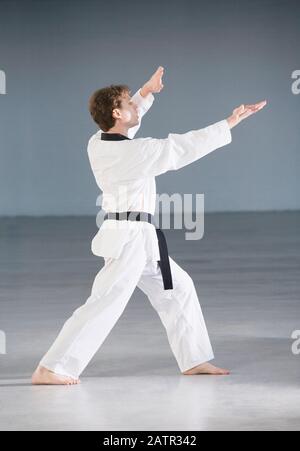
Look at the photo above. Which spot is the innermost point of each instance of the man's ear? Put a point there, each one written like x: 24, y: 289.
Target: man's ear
x: 116, y: 113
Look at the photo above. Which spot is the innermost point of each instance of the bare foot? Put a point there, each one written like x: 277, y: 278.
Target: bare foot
x: 43, y: 376
x: 206, y: 368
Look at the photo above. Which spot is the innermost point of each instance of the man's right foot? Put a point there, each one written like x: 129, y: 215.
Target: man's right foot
x: 43, y: 376
x: 207, y: 368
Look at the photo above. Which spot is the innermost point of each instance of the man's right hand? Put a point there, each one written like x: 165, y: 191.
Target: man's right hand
x: 243, y: 111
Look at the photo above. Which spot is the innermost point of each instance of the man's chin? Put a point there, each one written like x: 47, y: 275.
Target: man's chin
x: 136, y: 122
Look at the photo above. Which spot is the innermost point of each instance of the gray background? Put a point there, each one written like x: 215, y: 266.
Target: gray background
x: 246, y: 267
x: 216, y: 55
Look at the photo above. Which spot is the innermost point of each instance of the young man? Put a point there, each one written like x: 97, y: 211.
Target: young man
x: 134, y: 250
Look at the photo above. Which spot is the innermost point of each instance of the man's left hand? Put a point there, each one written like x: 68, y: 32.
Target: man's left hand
x: 154, y: 84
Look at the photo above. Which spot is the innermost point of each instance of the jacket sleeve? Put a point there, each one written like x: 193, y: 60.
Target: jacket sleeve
x: 143, y: 104
x: 148, y: 157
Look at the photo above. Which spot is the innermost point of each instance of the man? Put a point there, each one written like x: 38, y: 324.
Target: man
x: 135, y: 251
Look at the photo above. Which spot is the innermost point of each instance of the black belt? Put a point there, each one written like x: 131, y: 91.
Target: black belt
x: 164, y: 262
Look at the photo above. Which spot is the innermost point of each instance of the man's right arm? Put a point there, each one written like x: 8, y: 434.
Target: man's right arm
x: 153, y: 157
x: 149, y: 157
x: 179, y: 150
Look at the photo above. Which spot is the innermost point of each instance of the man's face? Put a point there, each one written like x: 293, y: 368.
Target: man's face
x: 128, y: 113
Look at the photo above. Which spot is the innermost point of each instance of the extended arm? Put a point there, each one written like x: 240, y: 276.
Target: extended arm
x: 148, y: 157
x: 144, y: 98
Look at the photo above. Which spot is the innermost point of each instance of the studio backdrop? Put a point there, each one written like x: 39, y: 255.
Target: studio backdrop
x: 216, y: 55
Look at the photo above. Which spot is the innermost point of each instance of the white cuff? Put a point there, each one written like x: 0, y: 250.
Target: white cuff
x: 226, y: 131
x: 144, y: 102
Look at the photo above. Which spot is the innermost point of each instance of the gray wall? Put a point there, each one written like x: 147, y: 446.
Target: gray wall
x: 217, y: 54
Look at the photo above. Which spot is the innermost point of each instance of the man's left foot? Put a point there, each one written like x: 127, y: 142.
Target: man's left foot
x: 43, y: 376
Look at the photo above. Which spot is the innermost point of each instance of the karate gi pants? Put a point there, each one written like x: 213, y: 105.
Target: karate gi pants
x: 179, y: 310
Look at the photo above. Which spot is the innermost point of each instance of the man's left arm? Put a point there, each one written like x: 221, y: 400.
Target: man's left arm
x: 144, y: 98
x: 143, y: 103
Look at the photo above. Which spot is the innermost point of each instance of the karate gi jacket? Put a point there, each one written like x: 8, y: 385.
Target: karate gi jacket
x: 125, y: 172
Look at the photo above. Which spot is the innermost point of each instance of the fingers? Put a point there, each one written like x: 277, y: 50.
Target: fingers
x: 244, y: 111
x: 257, y: 106
x: 246, y: 114
x: 239, y: 110
x: 159, y: 72
x: 253, y: 105
x: 262, y: 104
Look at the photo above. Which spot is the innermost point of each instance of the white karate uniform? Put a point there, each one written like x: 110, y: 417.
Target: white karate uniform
x: 125, y: 171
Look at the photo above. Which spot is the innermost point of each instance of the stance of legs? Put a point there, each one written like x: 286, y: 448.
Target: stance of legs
x: 85, y: 331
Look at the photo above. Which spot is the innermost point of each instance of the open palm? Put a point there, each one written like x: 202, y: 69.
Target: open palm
x: 243, y: 111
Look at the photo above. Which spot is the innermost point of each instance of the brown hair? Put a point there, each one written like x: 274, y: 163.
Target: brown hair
x: 103, y: 102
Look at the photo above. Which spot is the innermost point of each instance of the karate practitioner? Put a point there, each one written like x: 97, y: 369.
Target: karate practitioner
x: 134, y: 249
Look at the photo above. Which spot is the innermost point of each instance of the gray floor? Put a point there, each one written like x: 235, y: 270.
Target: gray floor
x: 246, y: 271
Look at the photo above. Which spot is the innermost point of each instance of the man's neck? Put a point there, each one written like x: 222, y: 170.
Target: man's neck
x: 121, y: 130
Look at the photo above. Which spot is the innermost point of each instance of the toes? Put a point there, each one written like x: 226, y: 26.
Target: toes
x: 224, y: 372
x: 71, y: 381
x: 75, y: 381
